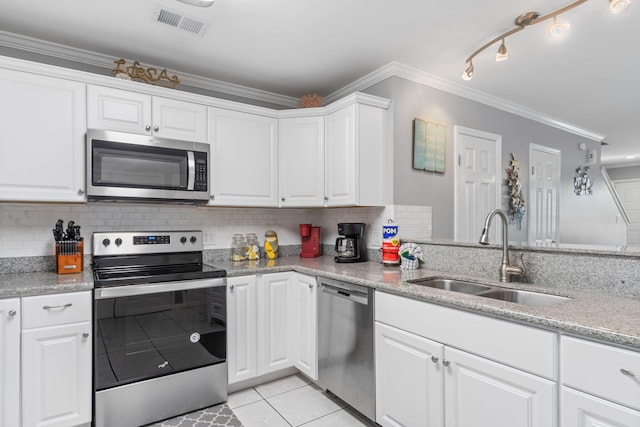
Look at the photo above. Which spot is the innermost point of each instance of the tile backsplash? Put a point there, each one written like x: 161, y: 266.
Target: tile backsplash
x: 25, y: 229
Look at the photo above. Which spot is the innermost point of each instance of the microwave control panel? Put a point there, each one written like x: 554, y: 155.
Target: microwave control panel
x: 202, y: 174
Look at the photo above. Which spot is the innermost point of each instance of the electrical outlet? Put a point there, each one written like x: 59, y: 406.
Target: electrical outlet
x: 210, y: 239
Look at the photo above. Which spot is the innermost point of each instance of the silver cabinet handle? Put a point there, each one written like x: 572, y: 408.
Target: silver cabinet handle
x: 446, y: 362
x: 435, y: 359
x: 326, y: 199
x: 282, y: 199
x: 156, y: 128
x: 12, y: 313
x: 56, y: 307
x: 80, y: 191
x: 627, y: 372
x: 212, y: 197
x: 231, y: 287
x: 147, y: 128
x: 85, y: 335
x: 310, y: 285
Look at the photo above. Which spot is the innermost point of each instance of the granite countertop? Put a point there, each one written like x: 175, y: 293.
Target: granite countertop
x: 594, y: 315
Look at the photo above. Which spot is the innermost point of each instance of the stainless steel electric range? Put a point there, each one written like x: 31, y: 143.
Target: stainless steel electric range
x: 160, y: 327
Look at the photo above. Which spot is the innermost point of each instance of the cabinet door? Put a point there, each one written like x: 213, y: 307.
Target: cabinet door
x: 241, y: 328
x: 179, y: 120
x: 9, y: 362
x: 340, y: 158
x: 479, y: 392
x: 42, y: 123
x: 244, y: 159
x: 274, y: 347
x: 304, y: 324
x: 56, y: 375
x: 301, y: 163
x: 118, y: 110
x: 584, y: 410
x: 409, y: 384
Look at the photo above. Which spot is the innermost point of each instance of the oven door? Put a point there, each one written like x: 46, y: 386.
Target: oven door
x: 149, y: 331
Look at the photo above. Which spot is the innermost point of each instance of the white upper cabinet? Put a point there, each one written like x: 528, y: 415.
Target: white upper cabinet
x: 244, y: 158
x: 134, y: 112
x: 354, y: 155
x: 42, y: 126
x: 301, y: 170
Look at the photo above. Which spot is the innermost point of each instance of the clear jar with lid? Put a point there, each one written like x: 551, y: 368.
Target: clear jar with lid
x: 253, y: 247
x: 238, y: 248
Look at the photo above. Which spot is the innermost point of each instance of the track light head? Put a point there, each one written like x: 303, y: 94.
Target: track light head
x: 468, y: 72
x: 618, y: 6
x: 558, y: 29
x: 503, y: 53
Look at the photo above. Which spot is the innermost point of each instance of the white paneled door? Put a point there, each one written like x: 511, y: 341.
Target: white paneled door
x: 544, y: 190
x: 477, y: 179
x: 629, y: 192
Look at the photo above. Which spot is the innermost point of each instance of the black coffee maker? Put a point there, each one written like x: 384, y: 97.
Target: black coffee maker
x: 352, y: 247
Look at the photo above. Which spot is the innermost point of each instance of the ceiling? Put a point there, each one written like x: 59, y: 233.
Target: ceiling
x: 589, y: 79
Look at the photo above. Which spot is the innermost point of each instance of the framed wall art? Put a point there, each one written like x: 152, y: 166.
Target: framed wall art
x: 429, y: 145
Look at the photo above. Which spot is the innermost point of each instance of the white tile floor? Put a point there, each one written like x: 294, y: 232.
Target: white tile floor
x: 291, y: 401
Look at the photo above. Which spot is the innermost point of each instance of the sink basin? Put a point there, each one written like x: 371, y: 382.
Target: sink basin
x: 494, y: 292
x: 452, y: 285
x: 524, y: 297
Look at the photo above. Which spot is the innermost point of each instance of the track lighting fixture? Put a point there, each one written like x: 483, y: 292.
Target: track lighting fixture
x: 556, y: 29
x: 503, y: 53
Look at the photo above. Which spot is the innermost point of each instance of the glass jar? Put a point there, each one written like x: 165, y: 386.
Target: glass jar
x: 271, y: 244
x: 253, y: 247
x: 238, y: 248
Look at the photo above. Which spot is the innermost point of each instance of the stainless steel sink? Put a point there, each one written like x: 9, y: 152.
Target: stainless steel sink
x: 524, y: 297
x: 452, y: 285
x: 494, y: 292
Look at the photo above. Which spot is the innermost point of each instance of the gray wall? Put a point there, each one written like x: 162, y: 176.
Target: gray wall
x: 412, y: 187
x: 630, y: 172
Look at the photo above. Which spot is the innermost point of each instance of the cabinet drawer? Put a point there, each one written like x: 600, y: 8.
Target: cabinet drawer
x: 56, y: 309
x: 601, y: 370
x: 530, y: 349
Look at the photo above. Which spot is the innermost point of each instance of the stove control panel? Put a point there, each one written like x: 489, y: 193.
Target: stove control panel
x: 146, y: 242
x: 153, y: 240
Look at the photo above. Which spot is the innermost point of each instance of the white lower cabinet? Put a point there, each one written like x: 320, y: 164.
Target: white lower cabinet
x: 9, y: 362
x: 432, y: 370
x: 265, y: 332
x: 274, y: 346
x: 480, y: 392
x: 584, y: 410
x: 56, y: 364
x: 303, y: 306
x: 409, y: 384
x: 600, y: 384
x: 242, y: 347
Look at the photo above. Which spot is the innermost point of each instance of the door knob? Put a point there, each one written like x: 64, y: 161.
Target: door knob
x: 156, y: 128
x: 435, y: 359
x: 446, y: 362
x: 12, y: 313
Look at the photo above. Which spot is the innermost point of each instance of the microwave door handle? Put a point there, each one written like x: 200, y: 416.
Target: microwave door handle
x: 191, y: 166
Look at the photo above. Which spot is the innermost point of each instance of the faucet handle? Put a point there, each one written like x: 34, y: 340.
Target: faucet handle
x: 518, y: 270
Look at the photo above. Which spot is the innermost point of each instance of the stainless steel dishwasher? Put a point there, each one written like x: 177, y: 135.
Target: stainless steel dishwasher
x: 345, y: 344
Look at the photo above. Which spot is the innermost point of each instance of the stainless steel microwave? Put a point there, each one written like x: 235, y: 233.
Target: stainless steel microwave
x: 130, y: 167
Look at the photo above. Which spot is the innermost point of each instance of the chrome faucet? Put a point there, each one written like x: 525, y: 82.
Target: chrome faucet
x: 506, y: 269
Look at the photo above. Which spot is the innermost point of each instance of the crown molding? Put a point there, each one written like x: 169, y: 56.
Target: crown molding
x: 396, y: 69
x: 55, y: 50
x: 392, y: 69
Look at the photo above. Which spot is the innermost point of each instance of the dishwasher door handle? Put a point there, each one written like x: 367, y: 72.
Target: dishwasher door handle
x: 349, y: 294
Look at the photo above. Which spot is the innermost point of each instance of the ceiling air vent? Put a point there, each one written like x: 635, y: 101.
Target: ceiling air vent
x: 180, y: 21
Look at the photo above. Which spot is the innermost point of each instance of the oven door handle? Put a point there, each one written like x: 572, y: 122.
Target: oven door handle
x: 155, y: 288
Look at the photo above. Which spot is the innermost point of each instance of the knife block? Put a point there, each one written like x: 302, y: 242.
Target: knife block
x: 70, y: 257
